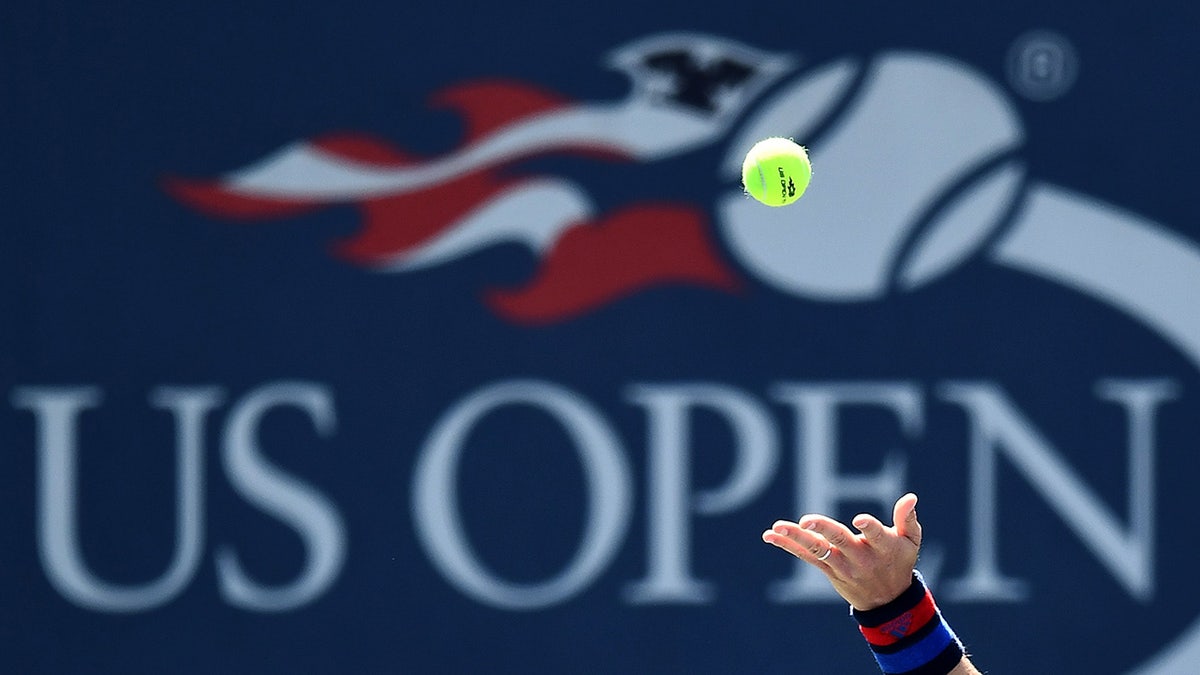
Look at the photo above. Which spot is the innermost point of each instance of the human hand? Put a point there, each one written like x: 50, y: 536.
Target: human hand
x: 869, y: 569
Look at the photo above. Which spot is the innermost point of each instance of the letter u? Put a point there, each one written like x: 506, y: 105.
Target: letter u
x: 57, y: 413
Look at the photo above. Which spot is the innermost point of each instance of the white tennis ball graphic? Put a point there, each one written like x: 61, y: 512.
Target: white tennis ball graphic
x: 916, y: 168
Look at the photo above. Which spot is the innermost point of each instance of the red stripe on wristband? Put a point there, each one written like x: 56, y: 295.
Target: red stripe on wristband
x: 902, y: 626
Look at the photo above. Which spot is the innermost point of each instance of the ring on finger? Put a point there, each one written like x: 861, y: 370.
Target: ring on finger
x: 825, y: 555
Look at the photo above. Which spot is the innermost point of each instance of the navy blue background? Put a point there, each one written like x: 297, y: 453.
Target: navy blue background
x: 105, y: 280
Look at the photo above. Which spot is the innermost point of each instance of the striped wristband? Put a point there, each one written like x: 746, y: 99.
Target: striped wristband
x: 909, y: 636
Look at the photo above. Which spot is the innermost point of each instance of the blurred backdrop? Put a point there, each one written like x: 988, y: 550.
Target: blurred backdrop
x: 403, y: 337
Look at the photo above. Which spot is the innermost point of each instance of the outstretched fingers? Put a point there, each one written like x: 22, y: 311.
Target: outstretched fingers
x: 872, y: 530
x: 834, y: 532
x: 802, y: 543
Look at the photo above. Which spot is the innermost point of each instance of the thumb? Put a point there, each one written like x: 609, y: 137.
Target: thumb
x: 905, y: 517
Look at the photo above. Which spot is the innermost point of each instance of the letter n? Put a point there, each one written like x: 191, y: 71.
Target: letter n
x: 998, y: 428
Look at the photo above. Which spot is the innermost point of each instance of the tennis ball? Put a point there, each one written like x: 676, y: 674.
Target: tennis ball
x: 776, y: 171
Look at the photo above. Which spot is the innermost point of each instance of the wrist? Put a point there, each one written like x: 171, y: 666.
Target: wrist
x: 905, y: 595
x: 909, y: 635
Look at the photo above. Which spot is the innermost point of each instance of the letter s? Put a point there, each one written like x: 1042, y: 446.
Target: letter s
x: 311, y: 514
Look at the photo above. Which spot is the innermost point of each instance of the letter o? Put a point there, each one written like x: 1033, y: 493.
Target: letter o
x: 435, y: 495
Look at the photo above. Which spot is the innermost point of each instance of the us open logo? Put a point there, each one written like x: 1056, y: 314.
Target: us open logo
x: 906, y: 196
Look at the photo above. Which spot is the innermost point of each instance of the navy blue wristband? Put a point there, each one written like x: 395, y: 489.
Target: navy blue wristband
x: 909, y: 636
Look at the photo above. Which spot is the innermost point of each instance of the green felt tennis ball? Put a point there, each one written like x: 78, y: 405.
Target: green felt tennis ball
x: 776, y: 171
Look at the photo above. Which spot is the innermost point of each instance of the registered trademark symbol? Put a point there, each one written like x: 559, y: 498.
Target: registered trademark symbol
x: 1042, y: 65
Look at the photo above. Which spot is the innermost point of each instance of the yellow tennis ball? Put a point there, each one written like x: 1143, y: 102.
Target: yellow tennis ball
x: 776, y: 171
